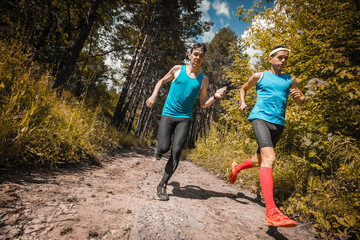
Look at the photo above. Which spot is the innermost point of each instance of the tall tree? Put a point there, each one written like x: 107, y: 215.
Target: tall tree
x: 61, y: 34
x: 73, y: 52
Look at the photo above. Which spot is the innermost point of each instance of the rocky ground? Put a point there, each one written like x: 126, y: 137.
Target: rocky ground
x: 117, y: 200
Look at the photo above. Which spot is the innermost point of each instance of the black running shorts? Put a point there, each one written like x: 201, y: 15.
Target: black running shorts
x: 266, y: 134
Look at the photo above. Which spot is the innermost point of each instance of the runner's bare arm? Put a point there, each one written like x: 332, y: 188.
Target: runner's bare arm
x: 254, y: 79
x: 167, y: 78
x: 205, y: 100
x: 296, y: 93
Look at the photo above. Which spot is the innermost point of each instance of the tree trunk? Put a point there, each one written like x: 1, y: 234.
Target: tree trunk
x: 137, y: 84
x: 67, y: 67
x: 144, y: 116
x: 146, y: 124
x: 119, y: 113
x: 138, y: 51
x: 141, y: 120
x: 124, y: 90
x: 140, y: 96
x: 133, y: 113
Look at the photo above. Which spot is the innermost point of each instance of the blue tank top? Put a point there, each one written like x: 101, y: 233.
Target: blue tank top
x: 272, y: 92
x: 182, y: 95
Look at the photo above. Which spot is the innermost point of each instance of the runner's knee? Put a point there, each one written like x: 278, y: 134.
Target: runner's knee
x: 267, y: 157
x: 162, y: 147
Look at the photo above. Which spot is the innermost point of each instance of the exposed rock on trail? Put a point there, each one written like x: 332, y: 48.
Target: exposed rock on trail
x: 118, y: 201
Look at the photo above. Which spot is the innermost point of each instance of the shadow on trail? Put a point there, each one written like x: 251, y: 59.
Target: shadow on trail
x: 254, y: 200
x: 196, y: 192
x: 273, y: 232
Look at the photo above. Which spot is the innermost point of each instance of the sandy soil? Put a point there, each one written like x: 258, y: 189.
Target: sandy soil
x: 118, y: 201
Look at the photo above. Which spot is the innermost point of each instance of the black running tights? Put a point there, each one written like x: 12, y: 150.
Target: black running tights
x: 177, y: 128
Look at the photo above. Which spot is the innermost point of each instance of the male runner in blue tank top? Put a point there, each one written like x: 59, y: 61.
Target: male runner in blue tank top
x: 268, y: 121
x: 187, y: 83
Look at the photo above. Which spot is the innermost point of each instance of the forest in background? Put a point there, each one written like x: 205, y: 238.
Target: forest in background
x: 61, y: 103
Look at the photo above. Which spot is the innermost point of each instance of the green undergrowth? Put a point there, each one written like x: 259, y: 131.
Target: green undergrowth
x: 316, y: 177
x: 219, y: 149
x: 39, y: 128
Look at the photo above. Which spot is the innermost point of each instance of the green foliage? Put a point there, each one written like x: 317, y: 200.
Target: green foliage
x: 220, y: 148
x: 49, y: 29
x: 36, y: 127
x: 237, y: 74
x: 320, y: 170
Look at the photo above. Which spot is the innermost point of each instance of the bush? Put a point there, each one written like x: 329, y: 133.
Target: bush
x: 39, y: 128
x: 220, y: 148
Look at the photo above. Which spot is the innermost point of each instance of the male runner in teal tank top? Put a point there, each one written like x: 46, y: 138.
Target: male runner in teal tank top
x: 187, y: 83
x: 268, y: 121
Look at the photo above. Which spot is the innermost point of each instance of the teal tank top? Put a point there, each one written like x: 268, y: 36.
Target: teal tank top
x: 182, y: 95
x: 272, y: 92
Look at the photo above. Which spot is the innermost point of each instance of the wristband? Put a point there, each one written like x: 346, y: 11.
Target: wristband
x: 214, y: 97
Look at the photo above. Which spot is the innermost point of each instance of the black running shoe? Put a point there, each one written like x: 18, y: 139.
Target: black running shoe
x: 161, y: 192
x: 158, y: 155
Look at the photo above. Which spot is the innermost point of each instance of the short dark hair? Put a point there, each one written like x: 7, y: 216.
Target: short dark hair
x: 198, y: 45
x: 277, y: 46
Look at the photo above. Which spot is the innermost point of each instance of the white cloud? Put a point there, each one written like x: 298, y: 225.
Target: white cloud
x: 208, y: 36
x: 221, y: 8
x: 205, y: 7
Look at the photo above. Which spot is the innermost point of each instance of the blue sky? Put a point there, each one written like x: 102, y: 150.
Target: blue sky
x: 222, y: 14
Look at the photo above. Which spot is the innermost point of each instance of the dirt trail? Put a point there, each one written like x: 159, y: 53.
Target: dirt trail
x: 118, y: 201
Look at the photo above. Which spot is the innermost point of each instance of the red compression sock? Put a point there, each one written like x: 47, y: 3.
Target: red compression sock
x: 245, y: 165
x: 266, y: 182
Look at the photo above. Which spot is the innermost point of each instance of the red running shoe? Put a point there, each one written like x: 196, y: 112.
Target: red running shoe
x: 276, y: 218
x: 233, y: 174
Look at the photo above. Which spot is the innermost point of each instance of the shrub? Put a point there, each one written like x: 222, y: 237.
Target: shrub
x: 39, y: 128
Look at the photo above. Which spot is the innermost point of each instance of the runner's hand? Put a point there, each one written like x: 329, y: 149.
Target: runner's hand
x: 150, y: 101
x: 221, y: 92
x: 242, y: 107
x: 295, y: 92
